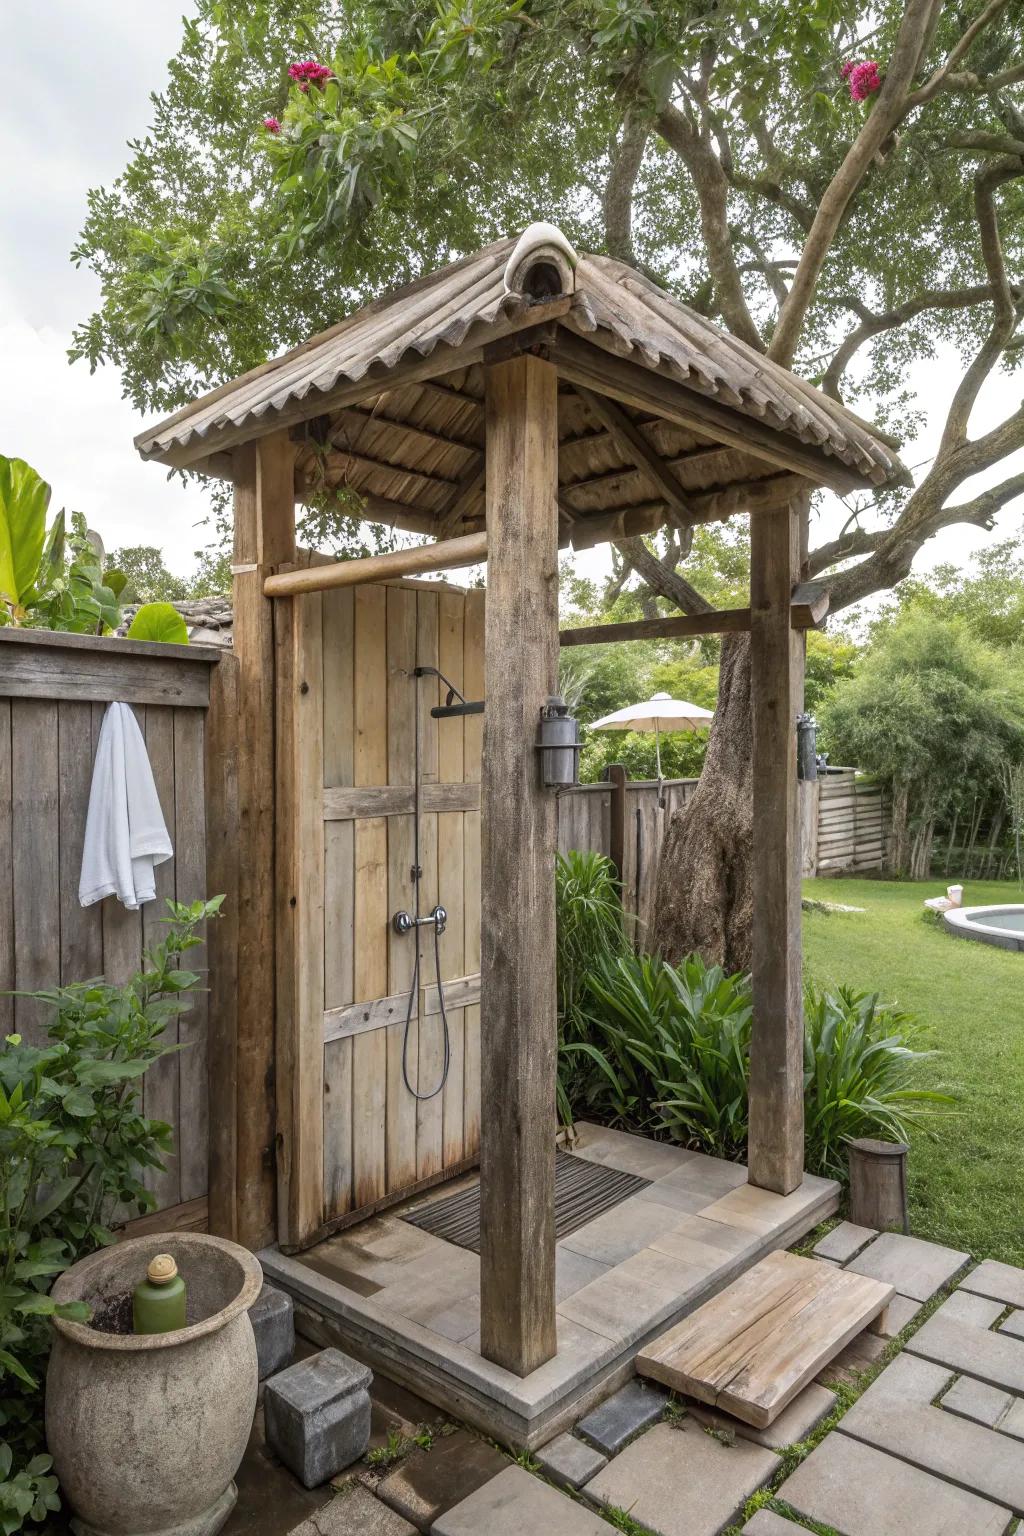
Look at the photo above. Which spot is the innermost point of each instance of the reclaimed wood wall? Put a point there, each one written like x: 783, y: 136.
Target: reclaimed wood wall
x: 853, y: 823
x: 378, y: 1140
x: 54, y: 690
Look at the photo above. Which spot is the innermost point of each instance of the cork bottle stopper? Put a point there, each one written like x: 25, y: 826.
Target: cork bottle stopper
x: 161, y: 1269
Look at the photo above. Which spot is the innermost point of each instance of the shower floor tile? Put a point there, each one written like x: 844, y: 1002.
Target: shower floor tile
x: 408, y: 1302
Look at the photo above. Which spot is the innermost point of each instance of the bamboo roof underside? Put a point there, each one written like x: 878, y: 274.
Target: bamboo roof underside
x: 662, y: 417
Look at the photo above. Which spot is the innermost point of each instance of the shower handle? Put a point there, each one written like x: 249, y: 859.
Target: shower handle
x: 404, y: 922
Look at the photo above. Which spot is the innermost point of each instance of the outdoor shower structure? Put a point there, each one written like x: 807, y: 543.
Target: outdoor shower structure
x: 519, y: 400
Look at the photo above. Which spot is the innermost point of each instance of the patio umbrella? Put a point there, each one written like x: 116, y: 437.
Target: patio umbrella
x: 657, y: 714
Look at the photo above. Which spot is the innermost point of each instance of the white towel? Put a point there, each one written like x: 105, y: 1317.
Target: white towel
x: 125, y: 834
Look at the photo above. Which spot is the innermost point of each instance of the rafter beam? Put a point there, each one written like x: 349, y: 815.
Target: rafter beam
x: 632, y: 444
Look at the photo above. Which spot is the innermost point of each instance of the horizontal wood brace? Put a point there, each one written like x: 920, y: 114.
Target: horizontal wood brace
x: 348, y: 803
x: 381, y: 1012
x: 50, y: 672
x: 804, y: 614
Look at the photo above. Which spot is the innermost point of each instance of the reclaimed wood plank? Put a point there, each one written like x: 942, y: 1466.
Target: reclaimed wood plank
x: 35, y: 858
x: 475, y: 688
x: 161, y: 1096
x: 341, y: 804
x: 81, y: 928
x: 220, y: 747
x: 339, y: 979
x: 451, y: 874
x: 518, y: 1050
x: 190, y: 885
x: 339, y: 684
x: 757, y: 1344
x: 402, y: 1045
x: 7, y: 936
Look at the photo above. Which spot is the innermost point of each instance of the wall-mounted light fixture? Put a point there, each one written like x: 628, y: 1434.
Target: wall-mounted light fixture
x: 559, y: 744
x: 806, y: 747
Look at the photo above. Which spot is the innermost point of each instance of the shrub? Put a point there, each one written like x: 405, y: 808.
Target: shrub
x: 73, y: 1147
x: 589, y: 922
x: 666, y: 1050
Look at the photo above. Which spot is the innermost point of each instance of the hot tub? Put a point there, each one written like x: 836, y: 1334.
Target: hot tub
x: 1003, y: 926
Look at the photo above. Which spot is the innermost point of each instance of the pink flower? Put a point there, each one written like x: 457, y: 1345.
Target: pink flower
x: 863, y: 79
x: 847, y: 68
x: 308, y: 73
x: 272, y: 125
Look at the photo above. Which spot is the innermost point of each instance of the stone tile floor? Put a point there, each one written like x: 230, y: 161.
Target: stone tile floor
x: 620, y: 1279
x: 933, y: 1447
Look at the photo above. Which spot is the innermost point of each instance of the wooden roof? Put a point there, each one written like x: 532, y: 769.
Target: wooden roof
x: 662, y: 416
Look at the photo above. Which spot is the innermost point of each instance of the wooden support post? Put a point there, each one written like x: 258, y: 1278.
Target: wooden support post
x: 299, y: 892
x: 264, y: 538
x: 776, y: 1147
x: 617, y: 777
x: 518, y: 1006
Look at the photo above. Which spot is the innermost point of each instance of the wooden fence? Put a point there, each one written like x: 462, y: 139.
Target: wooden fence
x: 844, y: 826
x: 54, y: 690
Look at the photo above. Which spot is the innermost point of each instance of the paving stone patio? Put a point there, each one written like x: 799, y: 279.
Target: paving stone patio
x: 932, y: 1447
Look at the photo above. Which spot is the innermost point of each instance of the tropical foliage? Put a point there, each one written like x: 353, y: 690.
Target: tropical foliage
x: 664, y: 1050
x: 74, y: 1148
x: 59, y: 579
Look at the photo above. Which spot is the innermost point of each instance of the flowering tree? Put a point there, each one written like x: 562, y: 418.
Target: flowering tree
x: 838, y: 184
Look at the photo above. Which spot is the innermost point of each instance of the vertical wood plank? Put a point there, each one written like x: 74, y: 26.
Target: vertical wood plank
x: 430, y: 1055
x: 339, y: 900
x: 81, y: 929
x: 776, y: 1149
x: 473, y: 673
x: 339, y: 894
x: 35, y: 857
x: 300, y: 918
x: 369, y: 1050
x: 6, y: 874
x: 402, y: 693
x: 122, y: 929
x: 161, y: 1099
x: 518, y: 1014
x: 264, y: 538
x: 451, y: 871
x: 190, y: 885
x: 220, y: 745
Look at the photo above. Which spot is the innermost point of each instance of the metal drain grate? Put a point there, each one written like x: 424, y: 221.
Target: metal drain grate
x: 583, y: 1190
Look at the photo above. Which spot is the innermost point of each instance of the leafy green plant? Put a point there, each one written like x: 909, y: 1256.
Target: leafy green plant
x: 24, y: 498
x: 860, y: 1074
x: 159, y: 621
x: 590, y: 921
x: 74, y: 593
x: 666, y: 1050
x: 73, y: 1148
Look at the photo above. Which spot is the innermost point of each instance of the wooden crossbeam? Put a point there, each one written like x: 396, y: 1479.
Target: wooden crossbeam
x: 446, y: 556
x: 806, y: 612
x: 632, y: 444
x: 465, y: 496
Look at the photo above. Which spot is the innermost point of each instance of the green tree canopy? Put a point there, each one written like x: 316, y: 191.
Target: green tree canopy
x: 846, y: 228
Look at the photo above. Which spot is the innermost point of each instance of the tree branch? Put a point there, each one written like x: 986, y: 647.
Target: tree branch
x: 627, y: 159
x: 963, y: 46
x: 891, y: 319
x: 889, y: 108
x: 661, y: 579
x: 712, y: 188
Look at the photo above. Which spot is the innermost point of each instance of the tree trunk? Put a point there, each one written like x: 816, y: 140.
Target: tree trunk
x: 703, y: 899
x: 899, y: 847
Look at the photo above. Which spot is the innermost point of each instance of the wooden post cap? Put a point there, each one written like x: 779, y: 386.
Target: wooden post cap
x: 161, y: 1269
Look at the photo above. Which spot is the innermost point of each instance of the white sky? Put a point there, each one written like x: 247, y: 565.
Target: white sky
x: 62, y: 138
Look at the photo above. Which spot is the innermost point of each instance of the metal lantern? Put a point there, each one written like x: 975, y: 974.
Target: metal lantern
x: 559, y: 744
x: 806, y: 747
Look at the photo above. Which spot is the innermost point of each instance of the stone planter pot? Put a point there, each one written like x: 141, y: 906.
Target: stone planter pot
x: 147, y: 1431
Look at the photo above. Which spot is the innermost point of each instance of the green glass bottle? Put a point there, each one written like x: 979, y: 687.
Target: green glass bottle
x: 158, y: 1302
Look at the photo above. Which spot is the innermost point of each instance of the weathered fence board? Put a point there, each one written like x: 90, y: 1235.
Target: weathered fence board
x: 54, y: 690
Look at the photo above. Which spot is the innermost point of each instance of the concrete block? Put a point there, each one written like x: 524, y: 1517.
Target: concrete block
x: 614, y: 1422
x: 681, y: 1481
x: 794, y: 1423
x: 318, y: 1415
x: 517, y: 1504
x: 977, y: 1400
x: 767, y: 1523
x: 844, y: 1242
x: 900, y: 1311
x: 273, y: 1323
x: 1000, y: 1281
x: 428, y: 1483
x: 569, y: 1461
x: 916, y: 1268
x: 354, y: 1513
x: 853, y: 1488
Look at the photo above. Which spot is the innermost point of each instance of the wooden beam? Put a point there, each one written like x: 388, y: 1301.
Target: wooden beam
x: 519, y: 834
x: 299, y: 887
x: 804, y: 614
x: 467, y: 494
x: 446, y: 555
x: 632, y: 444
x: 597, y: 367
x: 776, y: 1146
x: 264, y: 538
x: 746, y: 496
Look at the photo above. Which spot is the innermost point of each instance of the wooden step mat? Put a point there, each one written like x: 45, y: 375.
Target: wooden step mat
x: 750, y: 1349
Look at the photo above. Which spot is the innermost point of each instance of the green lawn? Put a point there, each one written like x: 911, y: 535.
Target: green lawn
x: 967, y: 1180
